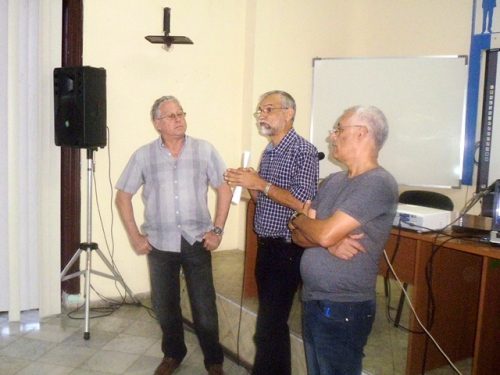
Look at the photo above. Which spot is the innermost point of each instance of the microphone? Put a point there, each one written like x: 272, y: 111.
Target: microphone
x: 321, y: 155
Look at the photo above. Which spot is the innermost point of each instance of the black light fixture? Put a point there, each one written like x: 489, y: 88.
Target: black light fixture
x: 166, y: 39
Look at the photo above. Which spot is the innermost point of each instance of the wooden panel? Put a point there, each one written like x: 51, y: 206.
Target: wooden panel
x: 72, y: 49
x: 249, y: 284
x: 487, y: 349
x: 455, y: 289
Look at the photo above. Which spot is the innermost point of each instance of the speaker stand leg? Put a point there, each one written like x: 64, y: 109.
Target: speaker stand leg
x: 72, y: 261
x: 88, y: 268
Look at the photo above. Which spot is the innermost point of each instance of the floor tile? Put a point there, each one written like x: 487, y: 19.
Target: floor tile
x: 144, y: 328
x: 80, y: 371
x: 44, y: 369
x: 11, y: 365
x: 51, y: 332
x: 97, y: 339
x: 27, y: 348
x: 110, y: 361
x: 67, y: 355
x: 130, y: 344
x: 144, y: 365
x: 155, y: 350
x: 112, y: 324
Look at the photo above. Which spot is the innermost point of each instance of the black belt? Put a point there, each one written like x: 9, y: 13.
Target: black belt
x: 274, y: 239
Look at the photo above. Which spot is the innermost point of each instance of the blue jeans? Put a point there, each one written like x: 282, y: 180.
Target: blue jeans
x: 335, y: 334
x: 277, y: 274
x: 164, y: 269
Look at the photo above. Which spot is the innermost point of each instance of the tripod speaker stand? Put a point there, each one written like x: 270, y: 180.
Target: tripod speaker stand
x: 89, y: 247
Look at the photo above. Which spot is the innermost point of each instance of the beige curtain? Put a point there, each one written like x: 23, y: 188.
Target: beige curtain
x: 30, y: 48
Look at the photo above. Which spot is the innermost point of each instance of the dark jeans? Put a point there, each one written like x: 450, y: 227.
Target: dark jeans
x: 277, y: 273
x: 164, y: 268
x: 335, y: 334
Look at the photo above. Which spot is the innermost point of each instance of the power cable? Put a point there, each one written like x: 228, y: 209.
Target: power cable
x: 417, y: 317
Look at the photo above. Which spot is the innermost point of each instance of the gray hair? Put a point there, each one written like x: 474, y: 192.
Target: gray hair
x: 155, y: 109
x: 287, y: 100
x: 375, y: 119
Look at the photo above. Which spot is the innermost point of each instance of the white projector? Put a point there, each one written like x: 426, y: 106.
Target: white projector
x: 421, y: 219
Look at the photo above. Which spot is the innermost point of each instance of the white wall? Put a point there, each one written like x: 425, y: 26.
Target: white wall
x: 241, y: 49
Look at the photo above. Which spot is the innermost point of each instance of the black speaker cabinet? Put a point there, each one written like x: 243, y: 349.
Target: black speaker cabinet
x: 80, y: 106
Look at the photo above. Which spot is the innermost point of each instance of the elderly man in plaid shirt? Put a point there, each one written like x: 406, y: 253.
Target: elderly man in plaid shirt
x: 287, y: 177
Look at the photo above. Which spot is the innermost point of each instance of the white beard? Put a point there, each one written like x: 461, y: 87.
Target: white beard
x: 264, y: 130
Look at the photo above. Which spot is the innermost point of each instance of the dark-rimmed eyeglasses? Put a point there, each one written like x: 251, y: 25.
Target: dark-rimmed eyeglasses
x: 266, y: 111
x: 338, y: 129
x: 173, y: 116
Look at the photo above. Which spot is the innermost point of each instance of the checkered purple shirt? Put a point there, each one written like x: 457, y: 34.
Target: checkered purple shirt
x: 291, y: 165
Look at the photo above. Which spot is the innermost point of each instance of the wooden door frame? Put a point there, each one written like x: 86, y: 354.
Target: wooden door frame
x: 72, y: 51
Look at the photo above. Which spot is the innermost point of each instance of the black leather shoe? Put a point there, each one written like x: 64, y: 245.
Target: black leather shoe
x: 167, y: 366
x: 215, y: 370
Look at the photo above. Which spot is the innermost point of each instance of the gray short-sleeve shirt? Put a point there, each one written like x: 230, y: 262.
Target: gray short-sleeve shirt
x: 371, y: 199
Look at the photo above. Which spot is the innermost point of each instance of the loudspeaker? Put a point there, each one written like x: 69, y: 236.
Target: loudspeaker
x: 80, y: 106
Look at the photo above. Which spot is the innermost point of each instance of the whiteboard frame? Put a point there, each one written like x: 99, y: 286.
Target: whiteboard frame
x: 494, y: 144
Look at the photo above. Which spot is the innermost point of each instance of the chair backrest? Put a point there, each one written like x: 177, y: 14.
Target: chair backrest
x: 426, y: 199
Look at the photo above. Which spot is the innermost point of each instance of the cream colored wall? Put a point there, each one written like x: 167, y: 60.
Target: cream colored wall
x: 241, y: 49
x: 206, y: 77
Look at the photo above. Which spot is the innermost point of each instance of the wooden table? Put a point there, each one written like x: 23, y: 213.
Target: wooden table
x: 466, y: 290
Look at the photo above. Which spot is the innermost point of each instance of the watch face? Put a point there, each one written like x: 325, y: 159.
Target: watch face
x: 217, y: 231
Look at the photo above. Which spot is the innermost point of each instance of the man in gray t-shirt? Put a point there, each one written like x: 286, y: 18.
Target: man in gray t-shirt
x: 339, y: 282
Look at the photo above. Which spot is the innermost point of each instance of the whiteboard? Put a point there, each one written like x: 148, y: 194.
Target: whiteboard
x: 423, y: 99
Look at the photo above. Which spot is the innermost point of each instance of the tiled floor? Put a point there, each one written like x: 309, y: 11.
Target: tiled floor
x: 128, y: 341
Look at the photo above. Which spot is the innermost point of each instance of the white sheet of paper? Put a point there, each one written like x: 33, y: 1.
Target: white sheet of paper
x: 237, y: 189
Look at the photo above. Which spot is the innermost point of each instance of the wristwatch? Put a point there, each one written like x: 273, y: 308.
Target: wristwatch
x: 218, y: 231
x: 295, y: 215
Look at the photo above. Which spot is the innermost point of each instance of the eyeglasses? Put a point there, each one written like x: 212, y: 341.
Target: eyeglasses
x: 266, y: 111
x: 173, y: 116
x: 337, y: 130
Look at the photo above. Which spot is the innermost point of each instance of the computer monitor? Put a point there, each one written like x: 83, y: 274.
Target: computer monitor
x: 496, y: 208
x: 495, y: 224
x: 488, y: 200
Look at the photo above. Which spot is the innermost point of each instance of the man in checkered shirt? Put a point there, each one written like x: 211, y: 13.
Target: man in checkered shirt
x: 287, y: 177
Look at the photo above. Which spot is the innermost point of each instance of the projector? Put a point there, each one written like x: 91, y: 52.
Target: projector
x: 421, y: 219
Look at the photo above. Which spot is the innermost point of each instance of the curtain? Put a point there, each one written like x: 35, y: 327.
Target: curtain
x: 30, y: 48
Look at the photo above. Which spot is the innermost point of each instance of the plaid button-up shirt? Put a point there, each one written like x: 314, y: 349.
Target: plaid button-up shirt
x: 293, y: 166
x: 174, y: 190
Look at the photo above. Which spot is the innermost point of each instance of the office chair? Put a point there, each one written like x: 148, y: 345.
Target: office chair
x: 426, y: 199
